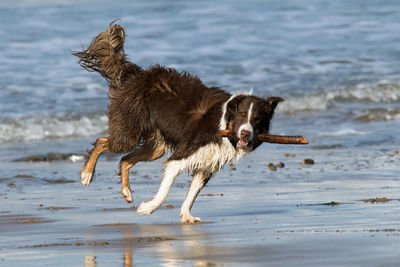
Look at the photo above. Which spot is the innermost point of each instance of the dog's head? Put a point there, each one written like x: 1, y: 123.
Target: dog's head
x: 247, y: 116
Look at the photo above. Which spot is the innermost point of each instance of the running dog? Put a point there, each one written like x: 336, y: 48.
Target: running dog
x: 158, y: 109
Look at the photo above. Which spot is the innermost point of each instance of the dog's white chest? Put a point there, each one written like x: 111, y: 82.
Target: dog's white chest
x: 211, y: 158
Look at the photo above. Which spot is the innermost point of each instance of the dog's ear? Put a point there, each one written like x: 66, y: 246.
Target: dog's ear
x: 232, y: 105
x: 273, y: 101
x: 232, y: 108
x: 231, y: 111
x: 269, y: 106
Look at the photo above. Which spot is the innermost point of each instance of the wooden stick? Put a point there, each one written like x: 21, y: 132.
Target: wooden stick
x: 276, y: 139
x: 283, y: 139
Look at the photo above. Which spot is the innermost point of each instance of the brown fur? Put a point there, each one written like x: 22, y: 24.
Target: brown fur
x: 100, y: 146
x: 144, y: 100
x: 106, y: 55
x: 175, y: 105
x: 158, y: 109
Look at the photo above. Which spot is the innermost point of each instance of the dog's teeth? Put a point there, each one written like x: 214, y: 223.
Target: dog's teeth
x: 86, y: 178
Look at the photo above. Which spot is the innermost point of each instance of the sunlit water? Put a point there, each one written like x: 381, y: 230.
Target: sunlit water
x: 335, y: 62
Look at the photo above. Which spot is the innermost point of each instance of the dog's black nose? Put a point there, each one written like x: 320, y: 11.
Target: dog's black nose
x: 245, y: 135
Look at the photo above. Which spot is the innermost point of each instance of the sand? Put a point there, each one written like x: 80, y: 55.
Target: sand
x: 341, y: 210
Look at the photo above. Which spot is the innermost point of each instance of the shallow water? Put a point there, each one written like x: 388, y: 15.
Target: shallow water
x: 335, y: 62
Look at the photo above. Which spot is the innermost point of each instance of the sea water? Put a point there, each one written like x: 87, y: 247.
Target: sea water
x: 335, y: 62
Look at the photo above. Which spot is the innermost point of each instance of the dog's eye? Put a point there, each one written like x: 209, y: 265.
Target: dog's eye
x: 257, y: 120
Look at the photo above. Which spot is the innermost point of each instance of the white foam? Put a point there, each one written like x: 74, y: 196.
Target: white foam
x: 42, y: 128
x: 342, y: 132
x: 382, y: 92
x: 311, y: 102
x: 379, y: 114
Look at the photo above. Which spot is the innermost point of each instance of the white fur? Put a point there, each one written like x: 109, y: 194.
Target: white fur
x: 195, y: 187
x: 250, y: 112
x: 211, y: 158
x: 207, y: 159
x: 86, y: 178
x: 172, y: 169
x: 222, y: 124
x: 127, y: 194
x: 247, y: 126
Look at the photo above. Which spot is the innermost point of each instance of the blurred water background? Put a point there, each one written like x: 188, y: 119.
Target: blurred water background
x: 335, y: 62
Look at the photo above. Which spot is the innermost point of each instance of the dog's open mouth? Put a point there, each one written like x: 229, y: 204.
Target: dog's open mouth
x: 242, y: 143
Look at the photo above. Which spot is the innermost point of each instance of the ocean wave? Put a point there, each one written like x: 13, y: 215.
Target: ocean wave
x: 342, y: 132
x: 379, y: 114
x: 47, y: 127
x: 381, y: 92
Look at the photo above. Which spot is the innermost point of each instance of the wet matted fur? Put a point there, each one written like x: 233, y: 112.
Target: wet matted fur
x: 159, y: 109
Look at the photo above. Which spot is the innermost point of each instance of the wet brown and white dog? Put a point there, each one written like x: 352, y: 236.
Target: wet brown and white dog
x: 158, y: 109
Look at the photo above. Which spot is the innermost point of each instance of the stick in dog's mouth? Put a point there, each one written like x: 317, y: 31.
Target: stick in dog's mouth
x: 276, y: 139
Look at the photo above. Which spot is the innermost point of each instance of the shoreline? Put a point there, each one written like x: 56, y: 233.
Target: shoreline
x: 322, y: 214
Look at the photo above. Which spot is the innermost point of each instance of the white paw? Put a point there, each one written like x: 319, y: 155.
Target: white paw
x: 127, y: 194
x: 86, y: 178
x: 146, y: 208
x: 188, y: 218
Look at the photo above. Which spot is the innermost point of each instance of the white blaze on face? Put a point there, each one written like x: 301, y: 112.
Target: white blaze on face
x: 246, y: 126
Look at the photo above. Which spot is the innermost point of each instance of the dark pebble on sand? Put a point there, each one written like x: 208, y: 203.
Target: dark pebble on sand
x: 280, y: 165
x: 307, y: 162
x: 271, y: 166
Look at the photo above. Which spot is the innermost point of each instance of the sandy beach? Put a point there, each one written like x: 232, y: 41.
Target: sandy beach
x: 324, y: 214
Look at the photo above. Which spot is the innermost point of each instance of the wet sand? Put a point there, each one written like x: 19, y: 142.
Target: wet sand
x: 341, y: 210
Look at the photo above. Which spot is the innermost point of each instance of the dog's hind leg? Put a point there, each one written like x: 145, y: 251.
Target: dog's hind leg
x: 172, y: 169
x: 100, y: 146
x: 199, y: 180
x: 148, y: 152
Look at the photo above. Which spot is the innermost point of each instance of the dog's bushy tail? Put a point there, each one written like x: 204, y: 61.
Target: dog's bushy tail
x: 106, y: 55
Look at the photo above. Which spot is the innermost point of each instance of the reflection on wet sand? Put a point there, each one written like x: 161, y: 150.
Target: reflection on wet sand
x: 90, y: 261
x: 172, y: 244
x: 127, y: 250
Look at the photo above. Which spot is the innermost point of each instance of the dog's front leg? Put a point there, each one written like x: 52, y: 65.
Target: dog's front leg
x: 172, y: 169
x: 199, y: 181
